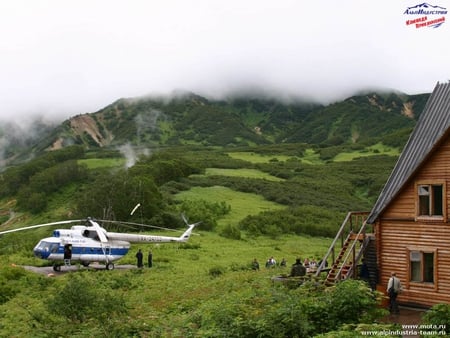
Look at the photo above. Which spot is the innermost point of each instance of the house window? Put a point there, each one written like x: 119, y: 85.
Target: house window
x: 422, y: 266
x: 431, y: 199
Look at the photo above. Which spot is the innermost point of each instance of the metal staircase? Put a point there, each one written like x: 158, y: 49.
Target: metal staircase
x: 353, y: 240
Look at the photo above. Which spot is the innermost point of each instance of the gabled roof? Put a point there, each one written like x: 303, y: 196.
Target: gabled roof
x: 430, y: 129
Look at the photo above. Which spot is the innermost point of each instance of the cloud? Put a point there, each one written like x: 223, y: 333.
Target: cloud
x: 61, y: 58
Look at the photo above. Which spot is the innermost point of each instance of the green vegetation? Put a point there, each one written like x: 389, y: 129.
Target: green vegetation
x: 286, y: 209
x: 241, y: 204
x: 194, y: 289
x: 311, y: 157
x: 264, y: 177
x: 258, y: 158
x: 378, y: 148
x: 247, y: 173
x: 94, y: 163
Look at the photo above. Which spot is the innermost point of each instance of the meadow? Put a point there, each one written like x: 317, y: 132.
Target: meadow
x: 241, y: 204
x: 159, y: 300
x: 378, y: 148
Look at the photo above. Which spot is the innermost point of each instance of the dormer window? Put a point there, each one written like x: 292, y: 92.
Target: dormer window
x: 430, y: 200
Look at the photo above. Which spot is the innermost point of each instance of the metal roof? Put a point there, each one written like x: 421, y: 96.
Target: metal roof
x: 430, y: 129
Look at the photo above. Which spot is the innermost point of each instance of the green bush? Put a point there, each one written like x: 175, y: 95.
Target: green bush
x: 230, y: 231
x: 279, y: 312
x: 439, y: 317
x: 75, y: 300
x: 216, y: 271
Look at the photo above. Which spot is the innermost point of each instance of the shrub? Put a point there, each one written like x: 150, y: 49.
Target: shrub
x: 439, y: 317
x: 216, y: 271
x: 230, y: 231
x: 74, y: 301
x: 279, y: 312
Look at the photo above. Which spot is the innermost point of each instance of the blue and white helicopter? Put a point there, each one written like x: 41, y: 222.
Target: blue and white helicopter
x: 92, y: 243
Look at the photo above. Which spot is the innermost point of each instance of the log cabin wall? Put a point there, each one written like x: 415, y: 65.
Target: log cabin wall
x: 407, y: 241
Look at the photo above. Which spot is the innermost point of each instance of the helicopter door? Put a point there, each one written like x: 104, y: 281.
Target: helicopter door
x: 67, y: 254
x: 68, y: 251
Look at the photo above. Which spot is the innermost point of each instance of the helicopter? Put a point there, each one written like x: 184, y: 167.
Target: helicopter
x: 92, y: 243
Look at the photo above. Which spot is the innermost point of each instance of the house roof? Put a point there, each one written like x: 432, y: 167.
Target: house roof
x: 430, y: 129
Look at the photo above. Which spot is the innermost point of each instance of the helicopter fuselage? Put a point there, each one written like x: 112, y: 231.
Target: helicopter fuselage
x: 80, y: 243
x: 92, y: 243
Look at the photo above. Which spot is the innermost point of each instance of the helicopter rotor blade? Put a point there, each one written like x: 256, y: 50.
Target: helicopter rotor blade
x: 135, y: 208
x: 183, y: 216
x: 41, y: 225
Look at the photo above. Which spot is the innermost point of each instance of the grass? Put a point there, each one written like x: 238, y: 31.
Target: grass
x: 258, y: 158
x: 247, y: 173
x: 311, y: 157
x: 93, y: 163
x: 377, y: 149
x: 242, y: 204
x: 180, y: 278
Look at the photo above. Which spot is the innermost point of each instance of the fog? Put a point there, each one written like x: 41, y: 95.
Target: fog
x: 62, y: 58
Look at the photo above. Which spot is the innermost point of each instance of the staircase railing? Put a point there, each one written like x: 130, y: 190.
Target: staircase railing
x: 353, y: 254
x: 354, y: 221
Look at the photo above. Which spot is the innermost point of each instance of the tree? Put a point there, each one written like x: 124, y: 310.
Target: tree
x: 114, y: 195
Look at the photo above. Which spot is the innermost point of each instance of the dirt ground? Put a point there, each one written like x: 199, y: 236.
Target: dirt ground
x: 407, y: 318
x: 48, y: 270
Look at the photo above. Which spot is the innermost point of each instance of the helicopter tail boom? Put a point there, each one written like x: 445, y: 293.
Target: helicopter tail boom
x: 136, y: 238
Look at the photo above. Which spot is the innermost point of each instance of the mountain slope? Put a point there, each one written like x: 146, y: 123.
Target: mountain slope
x: 192, y: 119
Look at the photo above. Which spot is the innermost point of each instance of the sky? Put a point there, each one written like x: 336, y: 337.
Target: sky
x: 60, y: 58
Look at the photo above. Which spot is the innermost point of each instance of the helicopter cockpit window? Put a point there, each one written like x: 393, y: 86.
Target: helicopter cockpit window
x: 48, y: 247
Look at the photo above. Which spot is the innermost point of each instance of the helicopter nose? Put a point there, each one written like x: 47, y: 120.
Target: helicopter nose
x: 37, y: 253
x: 40, y: 253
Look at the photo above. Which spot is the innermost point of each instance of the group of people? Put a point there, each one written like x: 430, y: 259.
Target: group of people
x: 297, y: 269
x: 140, y: 259
x: 270, y: 263
x: 310, y: 265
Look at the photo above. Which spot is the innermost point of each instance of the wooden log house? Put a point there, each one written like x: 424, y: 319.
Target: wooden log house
x: 408, y: 229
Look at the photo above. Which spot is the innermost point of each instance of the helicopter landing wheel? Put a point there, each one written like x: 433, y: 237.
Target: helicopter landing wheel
x: 109, y: 266
x: 56, y: 267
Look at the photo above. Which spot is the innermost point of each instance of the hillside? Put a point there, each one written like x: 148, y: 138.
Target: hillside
x: 237, y: 121
x: 242, y: 121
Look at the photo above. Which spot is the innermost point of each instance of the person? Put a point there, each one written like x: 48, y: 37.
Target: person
x: 306, y: 262
x: 139, y: 257
x: 298, y: 269
x: 394, y: 287
x: 255, y: 265
x: 67, y: 254
x: 271, y: 262
x: 150, y: 259
x: 283, y: 263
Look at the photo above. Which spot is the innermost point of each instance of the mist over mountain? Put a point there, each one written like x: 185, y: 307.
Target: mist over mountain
x: 239, y: 120
x: 17, y: 139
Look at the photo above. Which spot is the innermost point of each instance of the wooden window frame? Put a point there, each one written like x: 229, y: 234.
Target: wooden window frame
x: 432, y: 183
x: 423, y: 250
